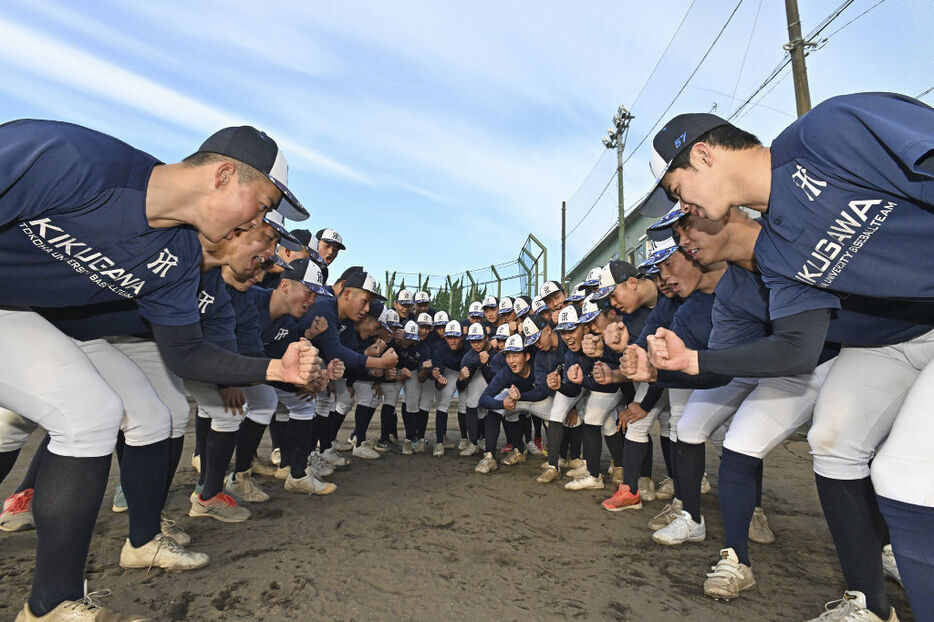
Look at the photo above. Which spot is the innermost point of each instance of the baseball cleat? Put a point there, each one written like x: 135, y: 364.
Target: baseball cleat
x: 647, y: 489
x: 588, y: 482
x: 220, y: 507
x: 243, y: 487
x: 682, y: 529
x: 366, y: 452
x: 851, y: 607
x: 470, y: 450
x: 670, y: 512
x: 729, y: 577
x: 514, y: 457
x: 17, y: 512
x: 119, y: 505
x: 623, y: 499
x: 759, y: 528
x: 310, y: 485
x: 548, y: 474
x: 487, y: 464
x: 665, y: 489
x: 615, y: 474
x: 161, y: 552
x: 170, y: 530
x: 889, y: 567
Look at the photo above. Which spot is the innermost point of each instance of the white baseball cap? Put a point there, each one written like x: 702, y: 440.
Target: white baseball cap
x: 476, y: 332
x: 589, y: 310
x: 452, y: 328
x: 332, y: 236
x: 490, y: 301
x: 389, y: 318
x: 538, y: 305
x: 514, y: 344
x: 421, y: 297
x: 593, y: 277
x: 520, y: 306
x: 502, y: 332
x: 410, y: 331
x: 404, y: 297
x: 441, y: 318
x: 549, y: 288
x: 578, y: 293
x: 567, y: 319
x: 424, y: 319
x: 475, y: 309
x: 505, y: 305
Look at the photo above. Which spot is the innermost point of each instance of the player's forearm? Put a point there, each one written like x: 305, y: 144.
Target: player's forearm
x: 189, y: 356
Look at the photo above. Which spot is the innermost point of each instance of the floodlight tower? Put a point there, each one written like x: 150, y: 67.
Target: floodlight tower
x: 616, y: 139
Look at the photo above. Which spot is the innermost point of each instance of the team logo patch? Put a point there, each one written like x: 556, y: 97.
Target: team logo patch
x: 811, y: 186
x: 204, y: 300
x: 161, y: 265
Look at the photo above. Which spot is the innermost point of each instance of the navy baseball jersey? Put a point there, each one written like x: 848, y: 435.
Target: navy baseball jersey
x: 73, y: 228
x: 218, y: 319
x: 850, y: 210
x: 249, y: 334
x: 277, y: 333
x: 660, y: 317
x: 330, y: 343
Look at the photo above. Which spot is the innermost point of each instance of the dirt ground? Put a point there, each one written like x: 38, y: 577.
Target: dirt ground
x: 423, y: 538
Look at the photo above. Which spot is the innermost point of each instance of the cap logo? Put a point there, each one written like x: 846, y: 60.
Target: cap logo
x: 680, y: 140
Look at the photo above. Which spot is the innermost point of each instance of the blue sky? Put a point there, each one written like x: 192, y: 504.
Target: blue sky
x: 434, y: 136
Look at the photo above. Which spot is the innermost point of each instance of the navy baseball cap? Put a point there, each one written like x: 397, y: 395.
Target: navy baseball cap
x: 276, y: 220
x: 308, y: 274
x: 365, y: 281
x: 375, y: 310
x: 677, y: 135
x: 257, y: 149
x: 332, y: 236
x: 346, y: 274
x: 613, y: 274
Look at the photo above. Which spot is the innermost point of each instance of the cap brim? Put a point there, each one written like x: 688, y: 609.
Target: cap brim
x: 575, y: 298
x: 340, y: 245
x: 474, y: 337
x: 289, y: 206
x: 450, y: 334
x: 657, y: 203
x: 505, y: 311
x: 279, y: 261
x: 592, y: 283
x: 513, y: 349
x: 603, y: 292
x: 318, y: 289
x: 531, y: 340
x: 286, y: 239
x: 588, y: 317
x: 659, y: 256
x: 565, y: 326
x: 522, y: 313
x: 475, y: 314
x: 406, y: 303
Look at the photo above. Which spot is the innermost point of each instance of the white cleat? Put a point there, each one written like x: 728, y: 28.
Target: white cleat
x: 759, y: 528
x: 487, y: 464
x: 171, y: 530
x: 462, y: 444
x: 682, y: 529
x: 851, y: 608
x: 421, y: 446
x: 161, y: 552
x: 704, y: 485
x: 575, y: 472
x: 470, y: 450
x: 242, y: 486
x: 548, y: 474
x: 334, y: 459
x: 665, y: 489
x: 533, y: 449
x: 276, y: 457
x: 365, y: 452
x: 729, y: 577
x: 319, y: 465
x: 514, y: 457
x: 615, y: 474
x: 588, y: 482
x: 341, y: 445
x: 647, y: 489
x: 889, y: 567
x: 87, y: 609
x: 670, y: 512
x: 407, y: 449
x: 309, y: 485
x: 438, y: 451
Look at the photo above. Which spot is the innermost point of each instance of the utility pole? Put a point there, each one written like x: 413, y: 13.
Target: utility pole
x: 564, y: 237
x: 795, y: 47
x: 616, y: 139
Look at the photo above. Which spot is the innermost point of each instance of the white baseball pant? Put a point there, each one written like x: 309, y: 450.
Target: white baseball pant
x: 300, y: 408
x: 599, y: 407
x: 638, y: 431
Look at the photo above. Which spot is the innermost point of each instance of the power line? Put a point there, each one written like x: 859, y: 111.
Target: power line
x: 827, y: 38
x: 924, y: 93
x: 664, y: 52
x: 745, y: 54
x: 590, y: 209
x: 683, y: 86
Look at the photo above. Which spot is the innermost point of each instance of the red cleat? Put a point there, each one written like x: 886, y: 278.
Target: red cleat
x: 506, y: 448
x: 622, y: 499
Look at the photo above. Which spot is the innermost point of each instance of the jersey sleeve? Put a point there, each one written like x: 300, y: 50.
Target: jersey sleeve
x: 788, y: 297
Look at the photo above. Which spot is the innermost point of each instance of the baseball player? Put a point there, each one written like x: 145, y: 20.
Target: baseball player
x: 404, y: 305
x: 474, y: 377
x: 329, y: 245
x: 90, y: 219
x: 415, y: 357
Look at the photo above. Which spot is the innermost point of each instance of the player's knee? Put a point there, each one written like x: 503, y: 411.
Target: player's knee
x: 226, y: 423
x: 691, y: 432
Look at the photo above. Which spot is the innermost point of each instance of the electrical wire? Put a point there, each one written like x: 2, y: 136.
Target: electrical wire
x: 745, y: 54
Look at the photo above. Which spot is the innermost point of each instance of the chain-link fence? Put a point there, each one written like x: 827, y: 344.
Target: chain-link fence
x: 454, y: 292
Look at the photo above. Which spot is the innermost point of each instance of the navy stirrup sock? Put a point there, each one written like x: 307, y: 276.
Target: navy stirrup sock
x: 911, y: 527
x: 218, y: 451
x: 614, y: 442
x: 690, y: 457
x: 29, y: 481
x: 472, y: 423
x: 64, y: 523
x: 633, y: 458
x: 143, y: 472
x: 176, y: 447
x: 441, y: 425
x: 362, y: 417
x: 491, y: 430
x: 422, y: 424
x: 737, y: 481
x: 646, y: 470
x: 7, y: 460
x: 278, y: 432
x: 555, y: 441
x: 299, y: 446
x: 849, y: 509
x: 387, y: 422
x: 593, y: 447
x: 576, y: 442
x: 665, y: 442
x: 248, y: 438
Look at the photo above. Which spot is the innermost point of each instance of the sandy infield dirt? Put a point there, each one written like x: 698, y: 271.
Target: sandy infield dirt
x: 424, y: 538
